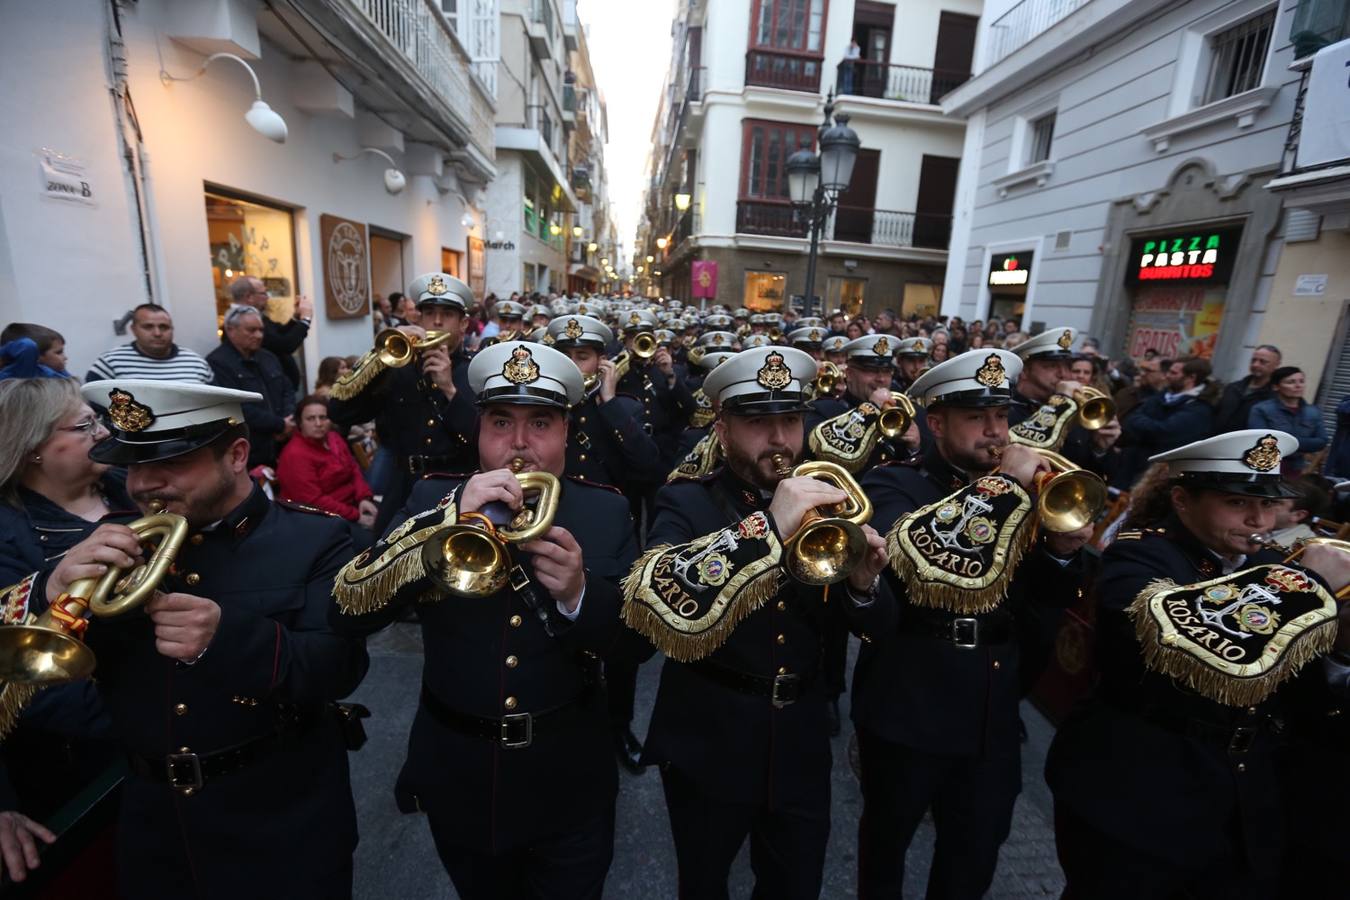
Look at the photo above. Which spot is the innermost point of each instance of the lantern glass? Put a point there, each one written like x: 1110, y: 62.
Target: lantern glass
x: 803, y: 173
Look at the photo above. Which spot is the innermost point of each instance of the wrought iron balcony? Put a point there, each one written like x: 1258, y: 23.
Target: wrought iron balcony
x: 789, y: 71
x: 1020, y: 25
x: 853, y: 224
x: 911, y: 84
x: 775, y: 217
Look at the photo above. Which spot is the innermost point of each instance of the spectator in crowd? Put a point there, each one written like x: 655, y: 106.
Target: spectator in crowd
x: 1288, y: 411
x: 1149, y: 380
x: 317, y: 468
x: 941, y: 352
x: 1179, y: 415
x: 19, y: 359
x: 838, y: 322
x: 885, y: 323
x: 241, y: 362
x: 1338, y: 460
x: 1013, y: 338
x: 405, y: 310
x: 958, y: 340
x: 1238, y: 398
x: 278, y: 338
x: 1082, y: 370
x: 1294, y: 517
x: 854, y: 330
x: 331, y: 368
x: 151, y: 354
x: 51, y: 346
x: 977, y: 341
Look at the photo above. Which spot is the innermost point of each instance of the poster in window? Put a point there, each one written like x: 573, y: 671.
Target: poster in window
x: 346, y: 267
x: 1175, y: 320
x: 477, y: 270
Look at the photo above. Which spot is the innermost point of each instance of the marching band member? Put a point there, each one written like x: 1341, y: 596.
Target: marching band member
x: 739, y: 727
x: 911, y: 358
x: 935, y: 702
x: 1167, y: 784
x: 222, y: 692
x: 509, y: 754
x: 423, y: 411
x: 848, y: 431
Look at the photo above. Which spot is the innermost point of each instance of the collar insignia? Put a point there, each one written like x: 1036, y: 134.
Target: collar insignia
x: 774, y: 375
x: 991, y: 374
x: 1264, y: 456
x: 521, y: 367
x: 126, y: 414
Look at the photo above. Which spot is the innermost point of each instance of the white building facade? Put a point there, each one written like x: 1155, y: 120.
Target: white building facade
x: 747, y: 87
x: 183, y: 195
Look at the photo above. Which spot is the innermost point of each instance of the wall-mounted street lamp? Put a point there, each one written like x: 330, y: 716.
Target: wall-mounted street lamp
x: 682, y: 201
x: 260, y: 116
x: 394, y: 182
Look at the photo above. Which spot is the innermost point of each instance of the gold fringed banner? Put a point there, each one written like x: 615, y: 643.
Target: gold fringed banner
x: 359, y: 378
x: 848, y: 438
x: 371, y: 581
x: 706, y: 456
x: 688, y: 598
x: 960, y: 553
x: 1236, y: 638
x: 13, y: 699
x: 1048, y: 426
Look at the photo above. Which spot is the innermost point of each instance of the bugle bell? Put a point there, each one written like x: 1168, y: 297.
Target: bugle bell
x: 47, y: 649
x: 644, y: 345
x: 829, y: 543
x: 827, y: 379
x: 470, y: 558
x: 396, y: 349
x: 896, y: 415
x: 1068, y: 498
x: 1095, y: 409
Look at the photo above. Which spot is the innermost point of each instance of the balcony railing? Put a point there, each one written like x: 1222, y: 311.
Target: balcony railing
x: 775, y: 217
x: 790, y: 71
x: 538, y: 119
x: 417, y: 30
x: 1318, y: 23
x: 569, y: 98
x: 867, y: 78
x: 1019, y: 25
x: 854, y: 224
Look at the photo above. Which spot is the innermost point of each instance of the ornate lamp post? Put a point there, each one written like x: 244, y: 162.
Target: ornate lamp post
x: 815, y: 183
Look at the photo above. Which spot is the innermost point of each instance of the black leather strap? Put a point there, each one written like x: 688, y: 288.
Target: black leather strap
x: 515, y: 731
x: 781, y: 689
x: 963, y: 631
x: 189, y: 771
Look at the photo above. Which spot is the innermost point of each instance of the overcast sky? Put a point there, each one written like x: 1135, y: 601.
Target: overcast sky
x: 630, y: 49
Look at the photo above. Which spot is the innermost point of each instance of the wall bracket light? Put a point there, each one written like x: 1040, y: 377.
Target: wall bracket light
x: 260, y: 116
x: 394, y: 182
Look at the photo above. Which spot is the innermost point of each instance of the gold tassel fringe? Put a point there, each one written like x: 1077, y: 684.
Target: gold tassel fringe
x: 925, y: 585
x: 359, y: 378
x: 13, y: 698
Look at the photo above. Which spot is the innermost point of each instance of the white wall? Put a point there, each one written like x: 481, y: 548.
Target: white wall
x: 195, y: 134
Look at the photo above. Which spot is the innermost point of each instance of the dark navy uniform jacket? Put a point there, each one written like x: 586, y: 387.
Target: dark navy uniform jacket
x: 607, y: 443
x: 1078, y: 447
x: 481, y: 652
x: 1177, y: 796
x: 926, y: 692
x: 886, y: 449
x: 666, y: 408
x: 285, y: 820
x: 737, y: 747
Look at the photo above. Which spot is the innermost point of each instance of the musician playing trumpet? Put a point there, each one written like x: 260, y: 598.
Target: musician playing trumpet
x: 509, y: 754
x: 740, y: 725
x: 857, y: 431
x: 935, y: 700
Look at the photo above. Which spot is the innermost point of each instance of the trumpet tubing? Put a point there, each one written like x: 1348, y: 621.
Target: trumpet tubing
x: 829, y: 543
x: 1095, y: 409
x: 896, y: 416
x: 396, y: 349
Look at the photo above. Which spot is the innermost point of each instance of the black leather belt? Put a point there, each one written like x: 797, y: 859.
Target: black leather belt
x: 782, y: 690
x: 512, y: 732
x: 420, y: 465
x: 966, y: 632
x: 1236, y: 739
x: 187, y: 771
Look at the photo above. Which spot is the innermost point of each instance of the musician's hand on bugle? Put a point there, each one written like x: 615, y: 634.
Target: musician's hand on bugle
x: 793, y: 497
x: 497, y: 486
x: 107, y: 545
x: 872, y: 564
x: 1332, y: 564
x: 18, y: 850
x: 1066, y: 544
x: 437, y: 367
x: 184, y: 624
x: 664, y: 362
x: 414, y: 331
x: 1068, y: 387
x: 1022, y: 463
x: 1105, y: 438
x: 609, y: 380
x: 557, y: 564
x: 912, y: 436
x: 881, y: 397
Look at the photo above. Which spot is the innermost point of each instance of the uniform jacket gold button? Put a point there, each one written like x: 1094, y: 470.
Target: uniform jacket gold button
x: 428, y: 442
x: 782, y: 639
x: 581, y: 420
x: 193, y: 579
x: 997, y: 664
x: 510, y: 703
x: 515, y: 621
x: 782, y: 670
x: 197, y: 539
x: 782, y: 606
x: 180, y: 709
x: 583, y: 457
x: 511, y: 662
x: 431, y: 423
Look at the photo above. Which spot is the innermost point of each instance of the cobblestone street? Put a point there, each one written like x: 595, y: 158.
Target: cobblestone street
x: 396, y: 857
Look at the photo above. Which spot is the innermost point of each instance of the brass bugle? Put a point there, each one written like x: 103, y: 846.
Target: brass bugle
x: 471, y: 559
x: 775, y: 334
x: 1068, y: 498
x: 644, y: 345
x: 827, y: 378
x: 695, y: 355
x: 397, y: 349
x: 1334, y: 543
x: 896, y: 415
x: 1095, y: 409
x: 829, y: 543
x: 48, y: 649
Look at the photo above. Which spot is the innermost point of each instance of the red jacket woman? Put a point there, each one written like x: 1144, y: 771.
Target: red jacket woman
x: 317, y: 468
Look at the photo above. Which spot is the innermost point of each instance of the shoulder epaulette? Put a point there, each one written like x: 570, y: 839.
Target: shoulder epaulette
x: 1129, y: 535
x: 306, y: 508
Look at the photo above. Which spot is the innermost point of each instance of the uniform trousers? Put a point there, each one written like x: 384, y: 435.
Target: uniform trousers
x: 787, y: 847
x: 568, y: 866
x: 1100, y: 867
x: 972, y: 802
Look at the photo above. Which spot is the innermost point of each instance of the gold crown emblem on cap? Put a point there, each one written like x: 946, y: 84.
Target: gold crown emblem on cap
x: 1066, y: 339
x: 573, y: 330
x: 991, y: 374
x: 437, y: 286
x: 126, y: 414
x: 774, y: 375
x: 1264, y: 456
x: 717, y: 340
x: 814, y: 335
x: 635, y: 319
x: 521, y: 367
x: 882, y: 347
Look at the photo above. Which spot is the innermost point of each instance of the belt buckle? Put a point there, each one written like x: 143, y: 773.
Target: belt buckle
x: 966, y: 633
x: 417, y: 465
x: 173, y: 766
x: 517, y: 743
x: 1242, y: 739
x: 783, y: 685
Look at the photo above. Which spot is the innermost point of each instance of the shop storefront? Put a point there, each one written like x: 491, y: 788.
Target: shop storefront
x: 1178, y: 284
x: 1008, y: 279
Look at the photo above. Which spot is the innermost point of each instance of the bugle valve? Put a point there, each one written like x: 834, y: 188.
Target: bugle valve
x: 829, y: 543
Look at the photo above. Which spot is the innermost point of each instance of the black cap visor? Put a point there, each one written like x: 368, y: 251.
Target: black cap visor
x: 1268, y: 486
x: 978, y: 399
x: 124, y: 448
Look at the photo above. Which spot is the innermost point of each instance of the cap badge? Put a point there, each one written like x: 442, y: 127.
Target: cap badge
x: 547, y: 340
x: 573, y: 330
x: 882, y: 347
x: 436, y: 286
x: 635, y: 319
x: 991, y: 374
x: 521, y: 367
x: 1264, y: 456
x: 717, y: 340
x: 774, y: 375
x: 126, y: 414
x: 815, y: 334
x: 1066, y: 339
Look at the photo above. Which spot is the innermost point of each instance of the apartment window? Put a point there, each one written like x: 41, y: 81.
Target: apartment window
x: 1042, y: 134
x: 1237, y: 57
x: 789, y: 24
x: 451, y: 10
x: 765, y: 149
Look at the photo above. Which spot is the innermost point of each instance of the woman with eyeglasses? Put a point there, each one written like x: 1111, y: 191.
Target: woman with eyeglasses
x: 52, y: 495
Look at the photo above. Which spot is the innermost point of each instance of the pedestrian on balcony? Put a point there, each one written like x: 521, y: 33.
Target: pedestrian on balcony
x: 851, y: 55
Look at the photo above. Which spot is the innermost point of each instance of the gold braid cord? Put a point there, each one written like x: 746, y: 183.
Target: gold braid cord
x: 375, y: 577
x: 1236, y: 638
x: 686, y: 599
x: 706, y: 456
x: 14, y: 609
x: 960, y: 553
x: 847, y: 439
x: 1047, y: 427
x: 359, y: 378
